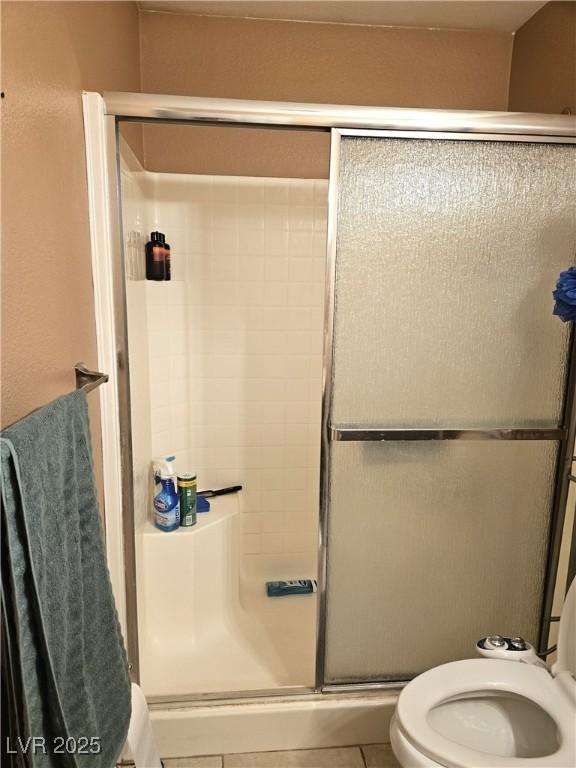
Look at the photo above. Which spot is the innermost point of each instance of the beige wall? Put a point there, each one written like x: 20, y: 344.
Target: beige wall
x: 50, y: 52
x: 290, y: 61
x: 543, y: 75
x: 227, y: 151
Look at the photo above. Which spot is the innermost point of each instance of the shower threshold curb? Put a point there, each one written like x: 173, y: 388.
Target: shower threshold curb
x: 310, y: 721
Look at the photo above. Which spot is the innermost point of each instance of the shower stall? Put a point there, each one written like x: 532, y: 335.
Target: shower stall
x: 427, y: 484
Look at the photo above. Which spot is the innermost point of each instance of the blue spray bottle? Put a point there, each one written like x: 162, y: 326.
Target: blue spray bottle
x: 166, y: 501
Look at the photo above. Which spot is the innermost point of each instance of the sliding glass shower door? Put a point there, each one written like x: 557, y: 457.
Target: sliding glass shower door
x: 445, y: 397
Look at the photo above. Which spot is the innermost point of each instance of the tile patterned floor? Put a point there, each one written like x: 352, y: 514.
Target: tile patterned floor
x: 379, y: 756
x: 368, y: 756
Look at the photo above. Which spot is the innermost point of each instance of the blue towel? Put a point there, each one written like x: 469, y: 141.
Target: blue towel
x: 64, y: 639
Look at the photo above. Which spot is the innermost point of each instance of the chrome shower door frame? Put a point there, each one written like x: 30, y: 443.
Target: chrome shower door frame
x: 340, y: 120
x: 565, y: 433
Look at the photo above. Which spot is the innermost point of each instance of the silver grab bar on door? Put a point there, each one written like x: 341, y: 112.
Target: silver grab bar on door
x: 385, y: 434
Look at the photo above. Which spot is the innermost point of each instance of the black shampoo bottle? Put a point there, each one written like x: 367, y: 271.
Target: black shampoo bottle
x: 155, y: 257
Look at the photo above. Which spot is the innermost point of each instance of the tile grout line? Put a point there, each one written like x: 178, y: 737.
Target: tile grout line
x: 366, y: 761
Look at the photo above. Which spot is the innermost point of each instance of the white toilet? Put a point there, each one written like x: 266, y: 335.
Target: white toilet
x: 493, y: 712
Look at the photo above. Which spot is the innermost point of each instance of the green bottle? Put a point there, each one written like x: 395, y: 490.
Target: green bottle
x: 187, y: 493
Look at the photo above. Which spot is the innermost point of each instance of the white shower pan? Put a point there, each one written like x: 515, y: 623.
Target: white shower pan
x: 206, y: 625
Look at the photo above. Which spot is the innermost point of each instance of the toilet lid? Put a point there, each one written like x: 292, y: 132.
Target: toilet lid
x: 566, y: 653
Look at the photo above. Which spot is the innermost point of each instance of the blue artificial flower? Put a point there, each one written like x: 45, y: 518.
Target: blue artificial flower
x: 565, y: 296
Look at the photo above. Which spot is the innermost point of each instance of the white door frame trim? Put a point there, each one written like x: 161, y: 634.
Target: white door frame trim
x: 102, y: 229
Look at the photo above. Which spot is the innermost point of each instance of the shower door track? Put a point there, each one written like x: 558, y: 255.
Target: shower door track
x: 339, y: 120
x: 303, y: 693
x: 295, y: 693
x: 284, y: 114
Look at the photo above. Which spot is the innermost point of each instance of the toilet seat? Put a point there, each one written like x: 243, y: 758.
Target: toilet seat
x: 478, y: 676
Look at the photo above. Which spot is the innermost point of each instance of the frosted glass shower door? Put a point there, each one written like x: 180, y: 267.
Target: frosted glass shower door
x: 445, y: 417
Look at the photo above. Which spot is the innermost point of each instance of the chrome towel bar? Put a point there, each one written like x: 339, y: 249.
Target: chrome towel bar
x: 87, y: 379
x: 383, y: 434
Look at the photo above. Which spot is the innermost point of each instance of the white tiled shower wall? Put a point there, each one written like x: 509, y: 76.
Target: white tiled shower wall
x: 235, y: 344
